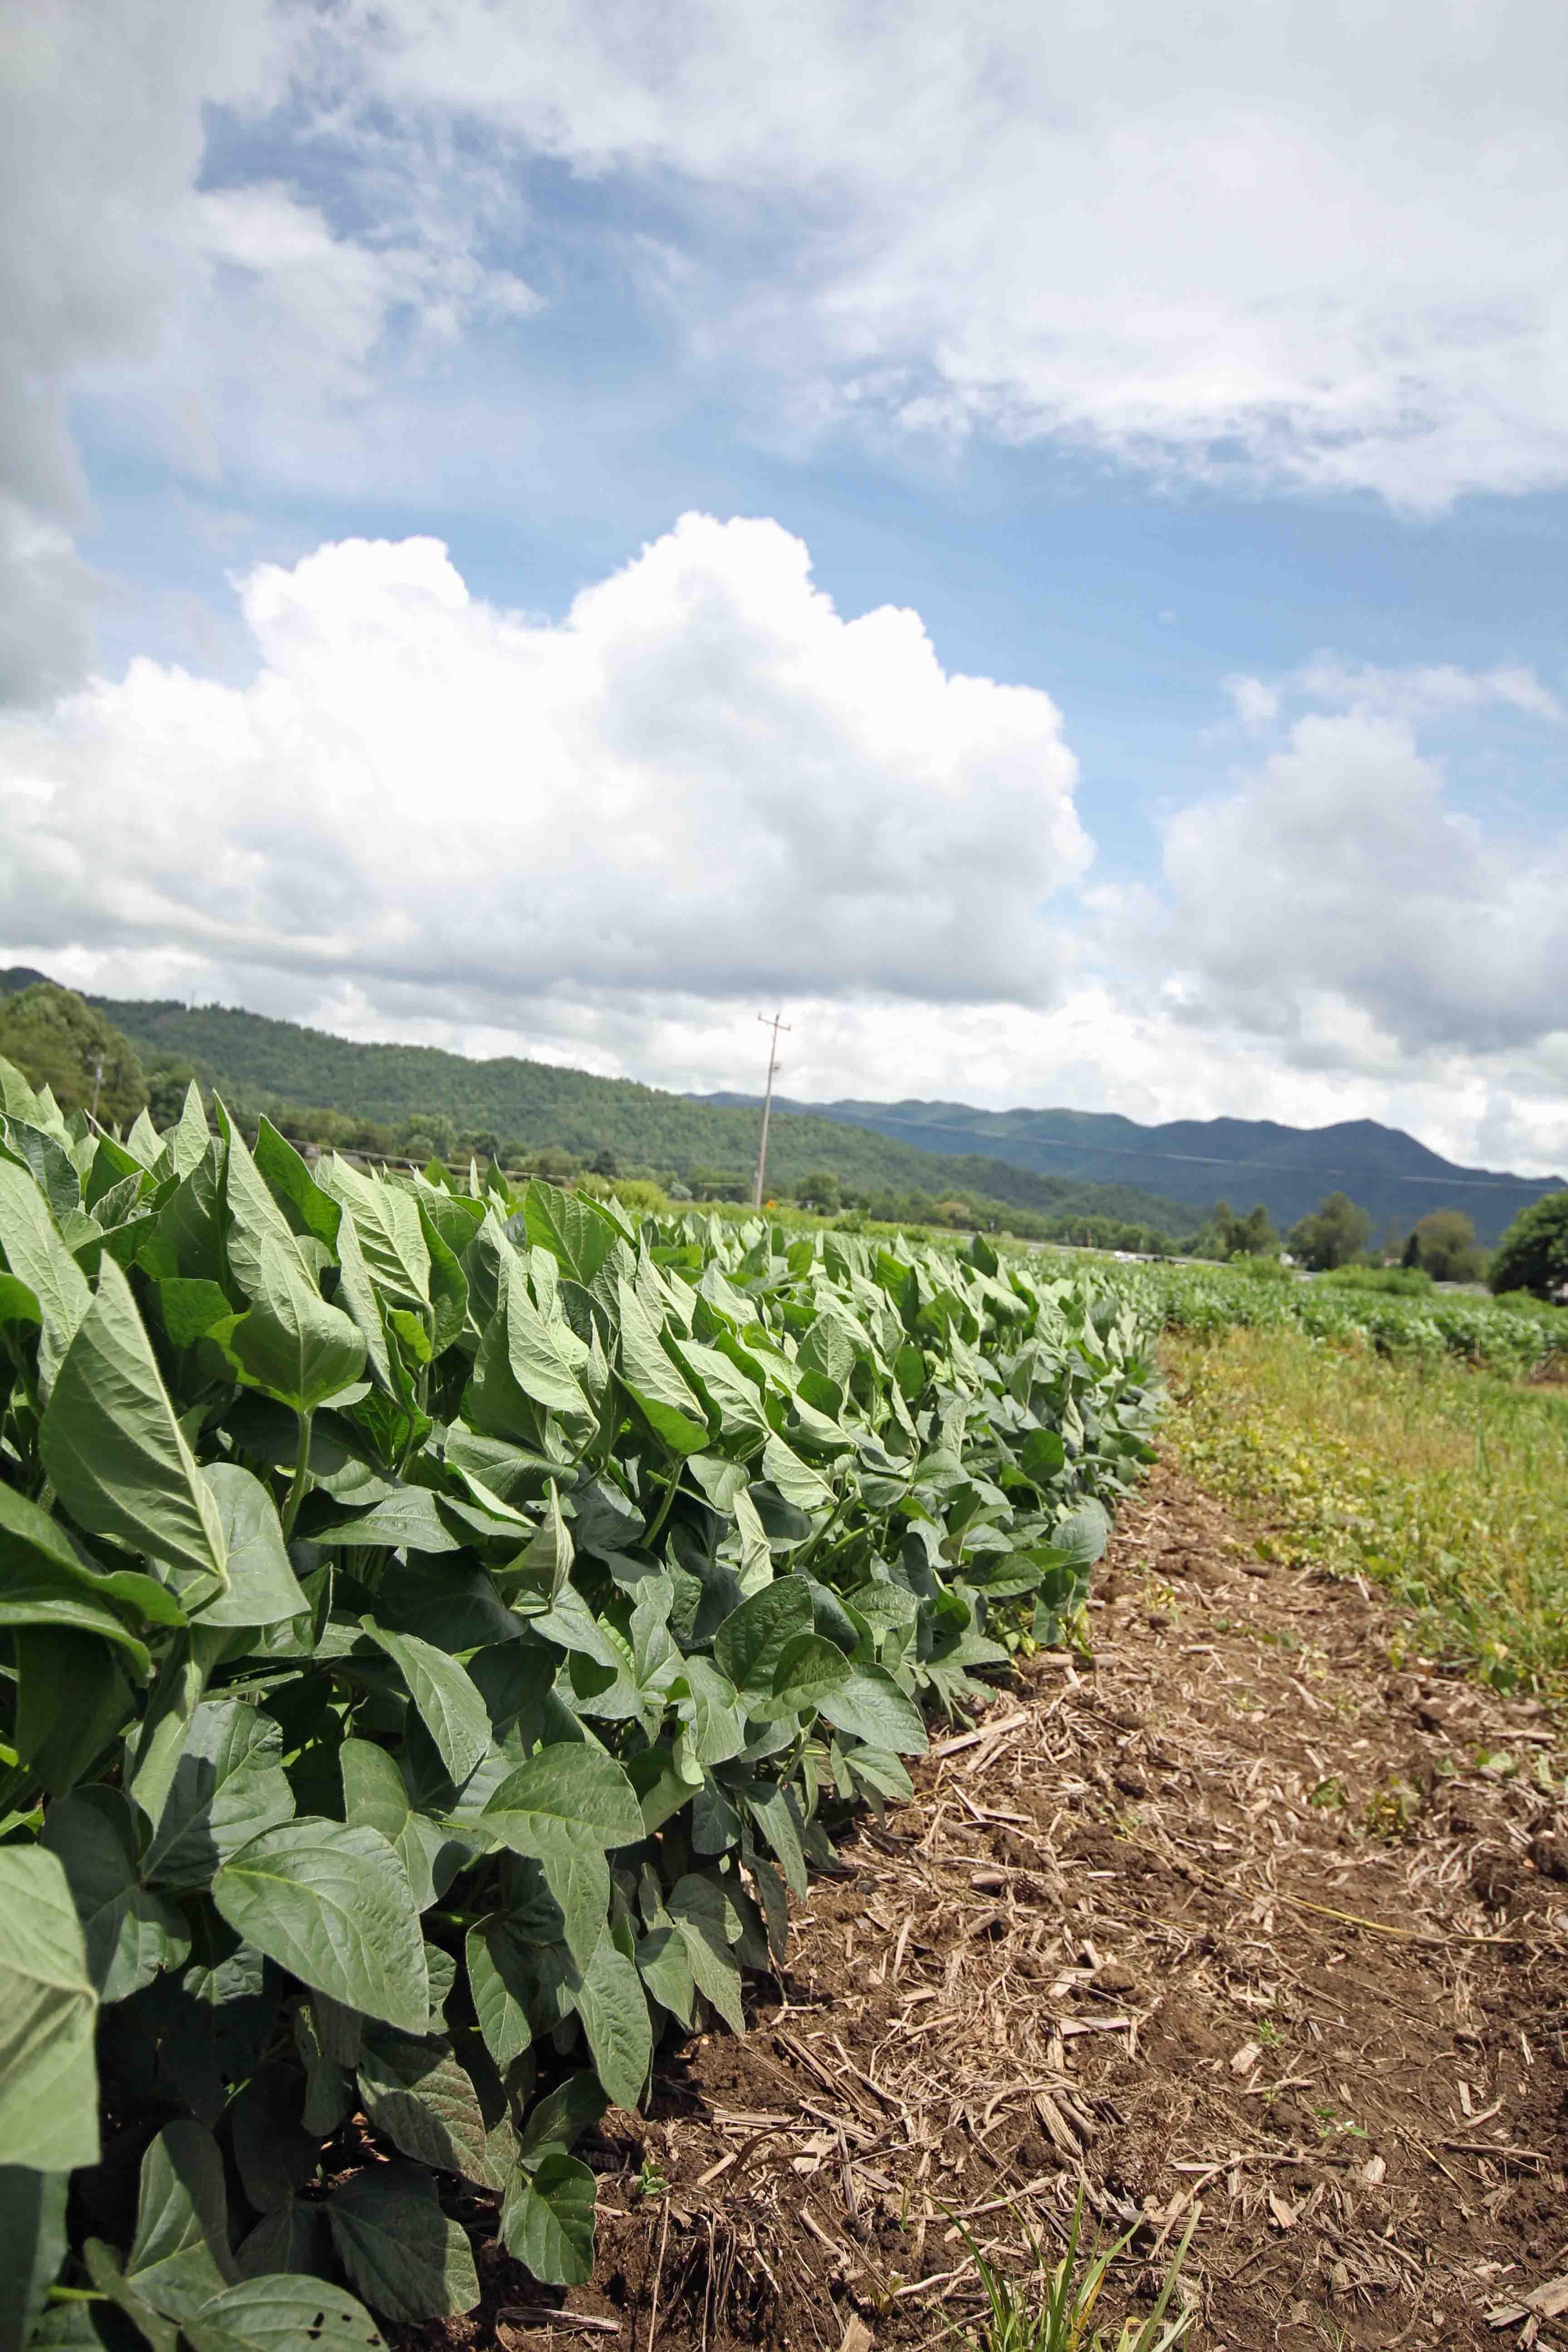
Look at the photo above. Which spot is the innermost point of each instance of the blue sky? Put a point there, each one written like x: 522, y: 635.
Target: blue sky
x: 1196, y: 395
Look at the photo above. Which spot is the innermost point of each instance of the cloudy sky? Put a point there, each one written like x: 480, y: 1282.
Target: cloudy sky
x: 1034, y: 539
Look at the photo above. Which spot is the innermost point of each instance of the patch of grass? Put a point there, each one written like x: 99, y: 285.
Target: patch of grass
x: 1449, y: 1487
x: 1051, y: 2309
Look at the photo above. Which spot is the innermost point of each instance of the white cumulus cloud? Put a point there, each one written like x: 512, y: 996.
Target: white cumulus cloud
x: 702, y: 779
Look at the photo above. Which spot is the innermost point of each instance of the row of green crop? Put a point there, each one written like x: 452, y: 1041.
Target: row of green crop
x: 436, y: 1626
x: 1516, y: 1340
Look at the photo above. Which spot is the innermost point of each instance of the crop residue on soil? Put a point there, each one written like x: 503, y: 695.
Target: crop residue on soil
x: 1112, y: 1950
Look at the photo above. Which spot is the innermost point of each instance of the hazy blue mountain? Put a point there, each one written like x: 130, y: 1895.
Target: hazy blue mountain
x: 1198, y: 1160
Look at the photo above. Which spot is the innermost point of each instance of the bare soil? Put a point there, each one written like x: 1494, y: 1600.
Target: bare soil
x: 1234, y: 1923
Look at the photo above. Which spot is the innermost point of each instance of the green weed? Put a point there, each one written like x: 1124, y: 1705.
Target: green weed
x: 1052, y: 2308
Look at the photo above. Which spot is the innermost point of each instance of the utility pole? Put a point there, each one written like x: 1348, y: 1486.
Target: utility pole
x: 775, y: 1024
x: 97, y: 1082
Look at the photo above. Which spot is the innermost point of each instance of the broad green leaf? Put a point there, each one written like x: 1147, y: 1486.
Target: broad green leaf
x: 294, y: 2238
x: 574, y: 1233
x: 540, y: 1363
x: 1082, y: 1536
x: 104, y: 2269
x: 386, y: 1219
x: 809, y: 1669
x: 1041, y: 1455
x: 417, y: 2094
x: 547, y: 2220
x: 184, y: 1144
x: 228, y: 1786
x: 407, y: 2260
x: 871, y: 1707
x: 562, y: 1797
x: 714, y: 1720
x: 262, y: 1588
x: 32, y: 2246
x: 751, y: 1641
x: 668, y: 1400
x: 448, y: 1285
x: 291, y: 1343
x: 356, y: 1293
x: 39, y: 1258
x: 283, y: 2314
x: 181, y: 2256
x: 796, y: 1483
x: 191, y: 1309
x: 306, y: 1208
x: 698, y: 1911
x: 558, y: 2121
x: 72, y: 1699
x: 157, y: 1743
x: 277, y: 2157
x: 116, y: 1453
x: 42, y: 1582
x: 449, y: 1707
x: 254, y: 1216
x: 666, y: 1969
x: 129, y: 1932
x: 501, y: 1985
x: 332, y: 1905
x: 615, y: 2020
x: 578, y: 1876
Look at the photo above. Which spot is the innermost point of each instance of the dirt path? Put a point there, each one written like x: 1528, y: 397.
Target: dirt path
x: 1106, y: 1947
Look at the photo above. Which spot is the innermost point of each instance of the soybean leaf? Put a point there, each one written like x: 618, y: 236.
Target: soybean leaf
x: 547, y: 2220
x: 117, y: 1455
x: 291, y: 1343
x: 332, y: 1905
x: 72, y: 1698
x: 32, y: 2246
x: 129, y: 1932
x: 751, y: 1641
x: 558, y: 2121
x: 500, y: 1984
x: 39, y: 1258
x: 386, y: 1219
x: 49, y: 2011
x: 615, y: 2020
x: 44, y: 1583
x: 283, y: 2314
x: 448, y: 1285
x: 567, y: 1796
x: 294, y: 2238
x: 666, y: 1969
x: 407, y: 2260
x: 574, y: 1233
x: 668, y: 1402
x: 1041, y: 1455
x: 228, y: 1787
x: 870, y: 1705
x: 356, y: 1293
x: 1082, y: 1536
x: 698, y: 1910
x: 578, y: 1876
x: 810, y: 1668
x: 275, y: 2154
x: 181, y: 2256
x: 262, y: 1588
x: 416, y: 2093
x: 306, y: 1208
x: 185, y: 1143
x: 447, y: 1704
x: 104, y: 2269
x: 254, y: 1217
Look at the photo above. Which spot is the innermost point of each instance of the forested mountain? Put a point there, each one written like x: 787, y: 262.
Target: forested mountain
x: 1289, y: 1168
x: 537, y: 1103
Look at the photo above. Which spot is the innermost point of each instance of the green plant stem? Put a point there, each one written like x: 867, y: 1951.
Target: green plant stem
x: 301, y: 1478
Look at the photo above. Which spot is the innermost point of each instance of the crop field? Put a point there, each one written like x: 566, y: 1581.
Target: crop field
x: 442, y: 1627
x: 1517, y: 1340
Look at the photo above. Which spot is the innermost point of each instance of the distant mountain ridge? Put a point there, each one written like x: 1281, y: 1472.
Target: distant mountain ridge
x: 540, y: 1102
x: 1196, y: 1161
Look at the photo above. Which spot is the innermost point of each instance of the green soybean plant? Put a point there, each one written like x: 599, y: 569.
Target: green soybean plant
x: 437, y: 1625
